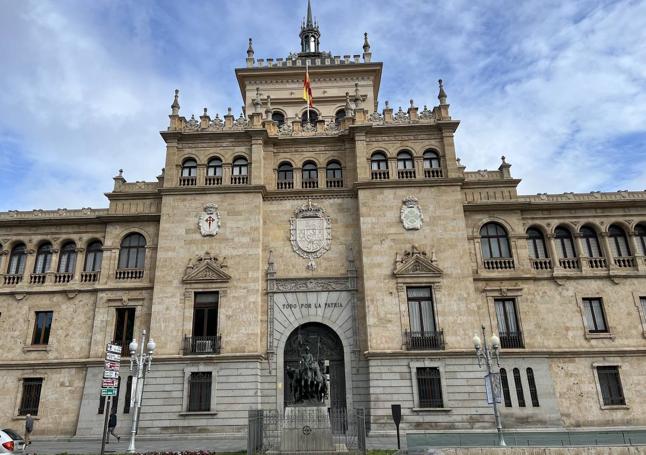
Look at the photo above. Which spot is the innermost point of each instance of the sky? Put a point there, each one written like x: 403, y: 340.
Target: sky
x: 558, y: 87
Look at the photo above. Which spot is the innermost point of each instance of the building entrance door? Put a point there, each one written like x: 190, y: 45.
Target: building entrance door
x: 326, y: 349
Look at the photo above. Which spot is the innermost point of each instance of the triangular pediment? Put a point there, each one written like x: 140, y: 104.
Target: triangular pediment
x: 206, y: 271
x: 417, y: 265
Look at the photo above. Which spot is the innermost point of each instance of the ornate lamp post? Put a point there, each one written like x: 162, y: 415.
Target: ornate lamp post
x: 139, y: 365
x: 489, y: 354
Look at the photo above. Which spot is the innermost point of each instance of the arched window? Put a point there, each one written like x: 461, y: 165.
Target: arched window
x: 314, y: 116
x: 494, y: 241
x: 240, y: 171
x: 618, y: 241
x: 189, y: 168
x: 536, y: 244
x: 93, y: 257
x: 533, y: 393
x: 133, y: 252
x: 43, y: 258
x: 334, y: 175
x: 310, y: 175
x: 504, y: 382
x: 519, y: 388
x: 67, y: 258
x: 214, y: 167
x: 564, y: 243
x: 432, y: 164
x: 285, y: 176
x: 17, y: 260
x: 640, y: 232
x: 339, y: 116
x: 590, y: 242
x: 379, y: 166
x: 278, y: 117
x: 405, y: 165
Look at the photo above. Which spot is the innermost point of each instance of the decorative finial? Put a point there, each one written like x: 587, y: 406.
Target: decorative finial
x: 442, y: 95
x: 502, y: 158
x: 458, y: 161
x: 366, y: 44
x: 175, y: 106
x: 229, y: 111
x: 120, y: 172
x: 387, y: 102
x: 357, y: 97
x: 257, y: 104
x: 250, y: 49
x: 412, y: 105
x: 268, y: 108
x: 205, y: 112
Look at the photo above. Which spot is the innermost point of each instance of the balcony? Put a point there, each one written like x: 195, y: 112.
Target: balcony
x: 498, y: 263
x: 381, y: 174
x: 203, y: 345
x: 541, y: 263
x: 239, y: 179
x: 129, y: 274
x: 569, y: 263
x: 597, y: 263
x: 213, y: 180
x: 434, y: 173
x: 334, y: 183
x: 625, y: 262
x: 90, y: 277
x: 37, y: 278
x: 310, y: 183
x: 12, y: 279
x: 63, y: 277
x: 285, y: 184
x: 406, y: 174
x: 425, y: 341
x: 188, y: 181
x: 511, y: 340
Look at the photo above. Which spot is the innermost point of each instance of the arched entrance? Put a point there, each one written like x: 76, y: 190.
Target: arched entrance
x: 326, y: 347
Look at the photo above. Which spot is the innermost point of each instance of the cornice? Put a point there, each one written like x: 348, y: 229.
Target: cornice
x: 550, y: 205
x: 509, y: 353
x: 412, y: 183
x: 213, y: 189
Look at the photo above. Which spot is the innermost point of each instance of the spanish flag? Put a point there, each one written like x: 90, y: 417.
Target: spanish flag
x: 307, y: 88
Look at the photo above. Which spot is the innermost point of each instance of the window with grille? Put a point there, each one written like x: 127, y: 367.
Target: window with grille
x: 199, y: 392
x: 532, y: 387
x: 31, y: 388
x: 42, y: 327
x: 610, y: 385
x: 519, y: 388
x: 505, y: 387
x: 429, y: 387
x: 595, y: 317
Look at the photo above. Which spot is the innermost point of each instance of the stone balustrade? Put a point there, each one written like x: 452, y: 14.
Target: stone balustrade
x: 498, y: 263
x: 541, y: 263
x: 129, y: 274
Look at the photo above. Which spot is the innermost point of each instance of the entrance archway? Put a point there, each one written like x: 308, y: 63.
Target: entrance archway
x: 327, y: 348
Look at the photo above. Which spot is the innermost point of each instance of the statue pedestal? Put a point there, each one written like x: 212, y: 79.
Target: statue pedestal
x: 306, y: 429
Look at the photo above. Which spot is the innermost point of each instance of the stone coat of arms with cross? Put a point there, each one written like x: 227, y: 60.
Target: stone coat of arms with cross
x: 310, y: 233
x: 209, y: 220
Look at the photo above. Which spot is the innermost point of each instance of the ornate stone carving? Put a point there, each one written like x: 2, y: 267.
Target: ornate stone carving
x: 411, y: 214
x: 416, y: 263
x: 311, y: 284
x: 209, y: 221
x: 310, y: 233
x: 206, y: 268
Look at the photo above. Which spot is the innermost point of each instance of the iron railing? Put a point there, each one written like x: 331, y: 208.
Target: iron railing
x: 511, y: 340
x: 424, y: 340
x: 202, y: 345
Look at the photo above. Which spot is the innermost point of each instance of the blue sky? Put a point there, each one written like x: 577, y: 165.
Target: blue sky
x: 557, y: 87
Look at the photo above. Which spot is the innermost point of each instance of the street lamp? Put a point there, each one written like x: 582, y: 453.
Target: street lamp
x: 489, y: 354
x: 139, y: 365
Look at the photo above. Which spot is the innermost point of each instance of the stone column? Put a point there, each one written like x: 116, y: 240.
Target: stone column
x: 321, y: 176
x: 606, y: 251
x: 201, y: 174
x: 78, y: 267
x: 363, y: 171
x: 552, y: 251
x: 581, y: 251
x: 226, y: 173
x: 298, y: 177
x: 256, y: 171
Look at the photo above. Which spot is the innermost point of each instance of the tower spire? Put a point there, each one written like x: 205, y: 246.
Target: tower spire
x: 310, y: 22
x: 309, y: 34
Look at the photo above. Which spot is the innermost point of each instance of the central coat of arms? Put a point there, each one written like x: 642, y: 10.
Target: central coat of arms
x: 310, y: 233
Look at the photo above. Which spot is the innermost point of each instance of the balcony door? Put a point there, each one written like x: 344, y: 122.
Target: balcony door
x: 124, y: 328
x: 205, y: 314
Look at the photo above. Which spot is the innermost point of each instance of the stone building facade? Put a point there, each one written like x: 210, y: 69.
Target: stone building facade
x: 353, y: 231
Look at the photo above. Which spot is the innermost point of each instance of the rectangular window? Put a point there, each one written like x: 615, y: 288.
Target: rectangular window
x: 595, y: 317
x: 519, y: 388
x: 31, y: 388
x: 199, y: 392
x: 508, y: 328
x: 610, y: 384
x: 124, y: 328
x: 420, y: 311
x: 533, y: 393
x: 42, y: 327
x: 642, y: 302
x: 205, y: 314
x: 126, y: 400
x: 429, y: 387
x: 505, y: 387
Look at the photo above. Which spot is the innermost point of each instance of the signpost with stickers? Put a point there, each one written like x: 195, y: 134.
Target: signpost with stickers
x: 109, y: 384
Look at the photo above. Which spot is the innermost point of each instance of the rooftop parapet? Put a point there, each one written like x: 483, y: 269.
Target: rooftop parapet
x: 85, y: 212
x: 620, y: 195
x: 122, y: 186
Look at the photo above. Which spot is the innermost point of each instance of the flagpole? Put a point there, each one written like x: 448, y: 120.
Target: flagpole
x: 307, y: 78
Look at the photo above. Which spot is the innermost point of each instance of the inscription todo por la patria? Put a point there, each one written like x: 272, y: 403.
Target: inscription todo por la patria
x: 294, y: 306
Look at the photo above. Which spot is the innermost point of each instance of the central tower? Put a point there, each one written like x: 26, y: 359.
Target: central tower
x: 310, y: 35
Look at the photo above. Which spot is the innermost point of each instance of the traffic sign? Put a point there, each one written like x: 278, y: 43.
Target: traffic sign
x: 113, y: 357
x: 112, y: 366
x: 115, y: 348
x: 109, y: 383
x: 110, y: 374
x: 109, y: 392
